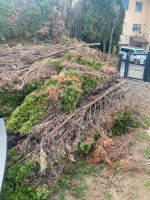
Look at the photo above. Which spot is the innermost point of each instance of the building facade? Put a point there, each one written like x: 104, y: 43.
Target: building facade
x: 136, y: 29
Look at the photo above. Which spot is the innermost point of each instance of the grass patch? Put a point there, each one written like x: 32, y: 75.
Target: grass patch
x: 78, y: 172
x: 142, y: 136
x: 146, y: 122
x: 62, y: 197
x: 147, y: 185
x: 80, y: 191
x: 132, y: 173
x: 146, y: 152
x: 116, y: 167
x: 107, y: 196
x: 147, y: 171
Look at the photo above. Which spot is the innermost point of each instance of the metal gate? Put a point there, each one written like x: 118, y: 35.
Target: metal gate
x: 135, y: 68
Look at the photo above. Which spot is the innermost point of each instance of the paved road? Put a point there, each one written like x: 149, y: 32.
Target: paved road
x: 135, y: 71
x: 3, y: 151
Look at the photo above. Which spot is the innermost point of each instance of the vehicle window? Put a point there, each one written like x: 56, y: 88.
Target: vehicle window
x: 132, y: 51
x: 124, y: 50
x: 140, y: 52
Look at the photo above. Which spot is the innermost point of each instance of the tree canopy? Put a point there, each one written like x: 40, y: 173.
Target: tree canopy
x: 88, y: 20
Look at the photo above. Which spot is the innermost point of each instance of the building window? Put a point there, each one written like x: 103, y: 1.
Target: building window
x: 139, y: 6
x: 126, y: 4
x: 136, y: 28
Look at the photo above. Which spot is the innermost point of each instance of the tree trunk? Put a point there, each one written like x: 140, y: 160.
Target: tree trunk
x: 111, y: 38
x: 104, y: 46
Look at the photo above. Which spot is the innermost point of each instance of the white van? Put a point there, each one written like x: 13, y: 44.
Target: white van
x: 138, y: 56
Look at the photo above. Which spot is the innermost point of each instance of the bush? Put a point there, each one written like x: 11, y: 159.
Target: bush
x: 28, y: 113
x: 22, y: 19
x: 90, y: 62
x: 84, y: 60
x: 88, y: 84
x: 84, y: 148
x: 69, y: 99
x: 123, y: 121
x: 18, y: 185
x: 15, y: 98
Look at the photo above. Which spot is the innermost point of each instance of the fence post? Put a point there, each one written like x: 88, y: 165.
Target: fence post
x: 119, y: 63
x: 127, y: 65
x: 146, y: 77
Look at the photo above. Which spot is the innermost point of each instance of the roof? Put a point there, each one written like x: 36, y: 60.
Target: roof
x: 139, y: 39
x: 131, y: 47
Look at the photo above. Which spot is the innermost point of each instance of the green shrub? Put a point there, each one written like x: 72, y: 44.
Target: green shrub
x: 84, y: 148
x: 18, y: 185
x: 90, y: 62
x: 83, y: 60
x: 71, y: 57
x: 10, y: 100
x: 5, y: 112
x: 31, y: 15
x: 15, y: 98
x: 70, y: 98
x: 88, y: 84
x: 28, y: 113
x: 123, y: 122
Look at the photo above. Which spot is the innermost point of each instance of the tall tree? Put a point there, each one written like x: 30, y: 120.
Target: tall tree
x: 102, y: 21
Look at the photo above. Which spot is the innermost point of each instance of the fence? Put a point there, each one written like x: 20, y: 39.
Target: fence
x: 135, y: 66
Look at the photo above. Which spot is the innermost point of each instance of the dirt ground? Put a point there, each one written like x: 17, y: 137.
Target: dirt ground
x: 133, y: 181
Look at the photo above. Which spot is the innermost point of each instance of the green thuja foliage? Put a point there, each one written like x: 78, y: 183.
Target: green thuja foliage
x: 84, y: 148
x: 18, y: 185
x: 28, y: 113
x: 84, y: 60
x: 90, y: 62
x: 70, y: 98
x: 71, y: 57
x: 16, y: 97
x: 123, y: 122
x: 88, y: 84
x: 10, y: 100
x: 5, y: 112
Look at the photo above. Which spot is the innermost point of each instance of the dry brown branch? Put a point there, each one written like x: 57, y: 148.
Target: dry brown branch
x: 60, y: 134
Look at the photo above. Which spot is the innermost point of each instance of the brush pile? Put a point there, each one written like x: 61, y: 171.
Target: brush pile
x: 63, y: 105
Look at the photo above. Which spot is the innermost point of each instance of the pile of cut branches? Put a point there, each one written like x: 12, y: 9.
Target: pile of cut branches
x: 55, y: 141
x: 68, y: 108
